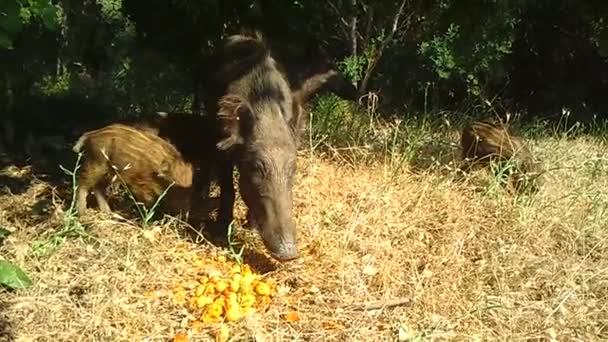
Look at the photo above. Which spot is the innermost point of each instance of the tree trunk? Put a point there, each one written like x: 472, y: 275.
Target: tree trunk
x: 368, y: 28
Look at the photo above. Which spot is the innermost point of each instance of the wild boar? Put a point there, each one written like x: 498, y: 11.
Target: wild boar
x: 146, y: 164
x: 195, y: 137
x: 483, y: 142
x: 252, y: 100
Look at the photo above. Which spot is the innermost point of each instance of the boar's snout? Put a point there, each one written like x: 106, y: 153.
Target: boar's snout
x: 271, y: 213
x: 281, y: 242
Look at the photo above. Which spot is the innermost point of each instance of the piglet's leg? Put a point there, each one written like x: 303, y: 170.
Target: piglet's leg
x: 101, y: 198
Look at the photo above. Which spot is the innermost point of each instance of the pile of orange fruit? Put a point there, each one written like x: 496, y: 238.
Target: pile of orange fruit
x: 216, y: 296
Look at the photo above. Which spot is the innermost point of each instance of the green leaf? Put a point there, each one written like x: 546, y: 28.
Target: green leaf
x: 10, y: 18
x: 49, y: 17
x: 12, y: 276
x: 26, y: 15
x: 603, y: 43
x: 5, y: 41
x: 4, y: 233
x: 37, y: 6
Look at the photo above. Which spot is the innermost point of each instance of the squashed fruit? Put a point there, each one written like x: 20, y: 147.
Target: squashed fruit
x: 262, y: 289
x: 180, y: 338
x: 222, y: 334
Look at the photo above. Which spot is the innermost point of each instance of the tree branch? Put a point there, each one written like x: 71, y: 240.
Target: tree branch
x: 371, y: 66
x: 339, y: 14
x: 381, y: 304
x: 353, y: 28
x: 368, y: 28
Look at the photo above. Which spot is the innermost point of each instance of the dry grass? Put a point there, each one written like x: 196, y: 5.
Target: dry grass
x: 475, y: 265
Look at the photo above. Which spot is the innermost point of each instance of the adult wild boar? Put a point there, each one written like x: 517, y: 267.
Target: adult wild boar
x: 483, y: 142
x: 252, y: 99
x: 145, y: 163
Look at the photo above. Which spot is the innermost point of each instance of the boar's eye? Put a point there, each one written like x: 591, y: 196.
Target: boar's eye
x: 258, y: 167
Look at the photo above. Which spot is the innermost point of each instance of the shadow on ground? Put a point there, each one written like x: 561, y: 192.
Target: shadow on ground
x: 203, y: 227
x: 259, y: 262
x: 6, y: 330
x: 13, y: 185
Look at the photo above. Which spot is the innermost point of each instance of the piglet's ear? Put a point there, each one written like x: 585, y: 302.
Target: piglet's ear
x: 162, y: 115
x: 164, y: 170
x: 233, y: 112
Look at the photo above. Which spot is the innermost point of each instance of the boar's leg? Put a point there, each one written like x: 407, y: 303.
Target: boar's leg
x: 251, y: 224
x: 227, y: 194
x: 200, y: 186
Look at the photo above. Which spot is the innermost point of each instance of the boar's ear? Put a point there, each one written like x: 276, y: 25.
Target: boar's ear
x: 330, y: 80
x: 341, y: 86
x: 297, y: 124
x: 312, y: 85
x: 233, y: 115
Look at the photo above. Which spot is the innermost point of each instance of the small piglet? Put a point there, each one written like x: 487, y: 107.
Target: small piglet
x: 145, y: 163
x: 483, y: 142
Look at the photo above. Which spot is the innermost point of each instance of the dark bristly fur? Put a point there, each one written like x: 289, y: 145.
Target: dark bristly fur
x: 195, y: 137
x: 146, y: 163
x: 483, y: 142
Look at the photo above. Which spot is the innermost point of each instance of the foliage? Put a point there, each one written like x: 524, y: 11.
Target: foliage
x: 71, y: 225
x: 3, y: 234
x: 236, y: 256
x: 17, y: 14
x: 506, y: 55
x: 13, y: 276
